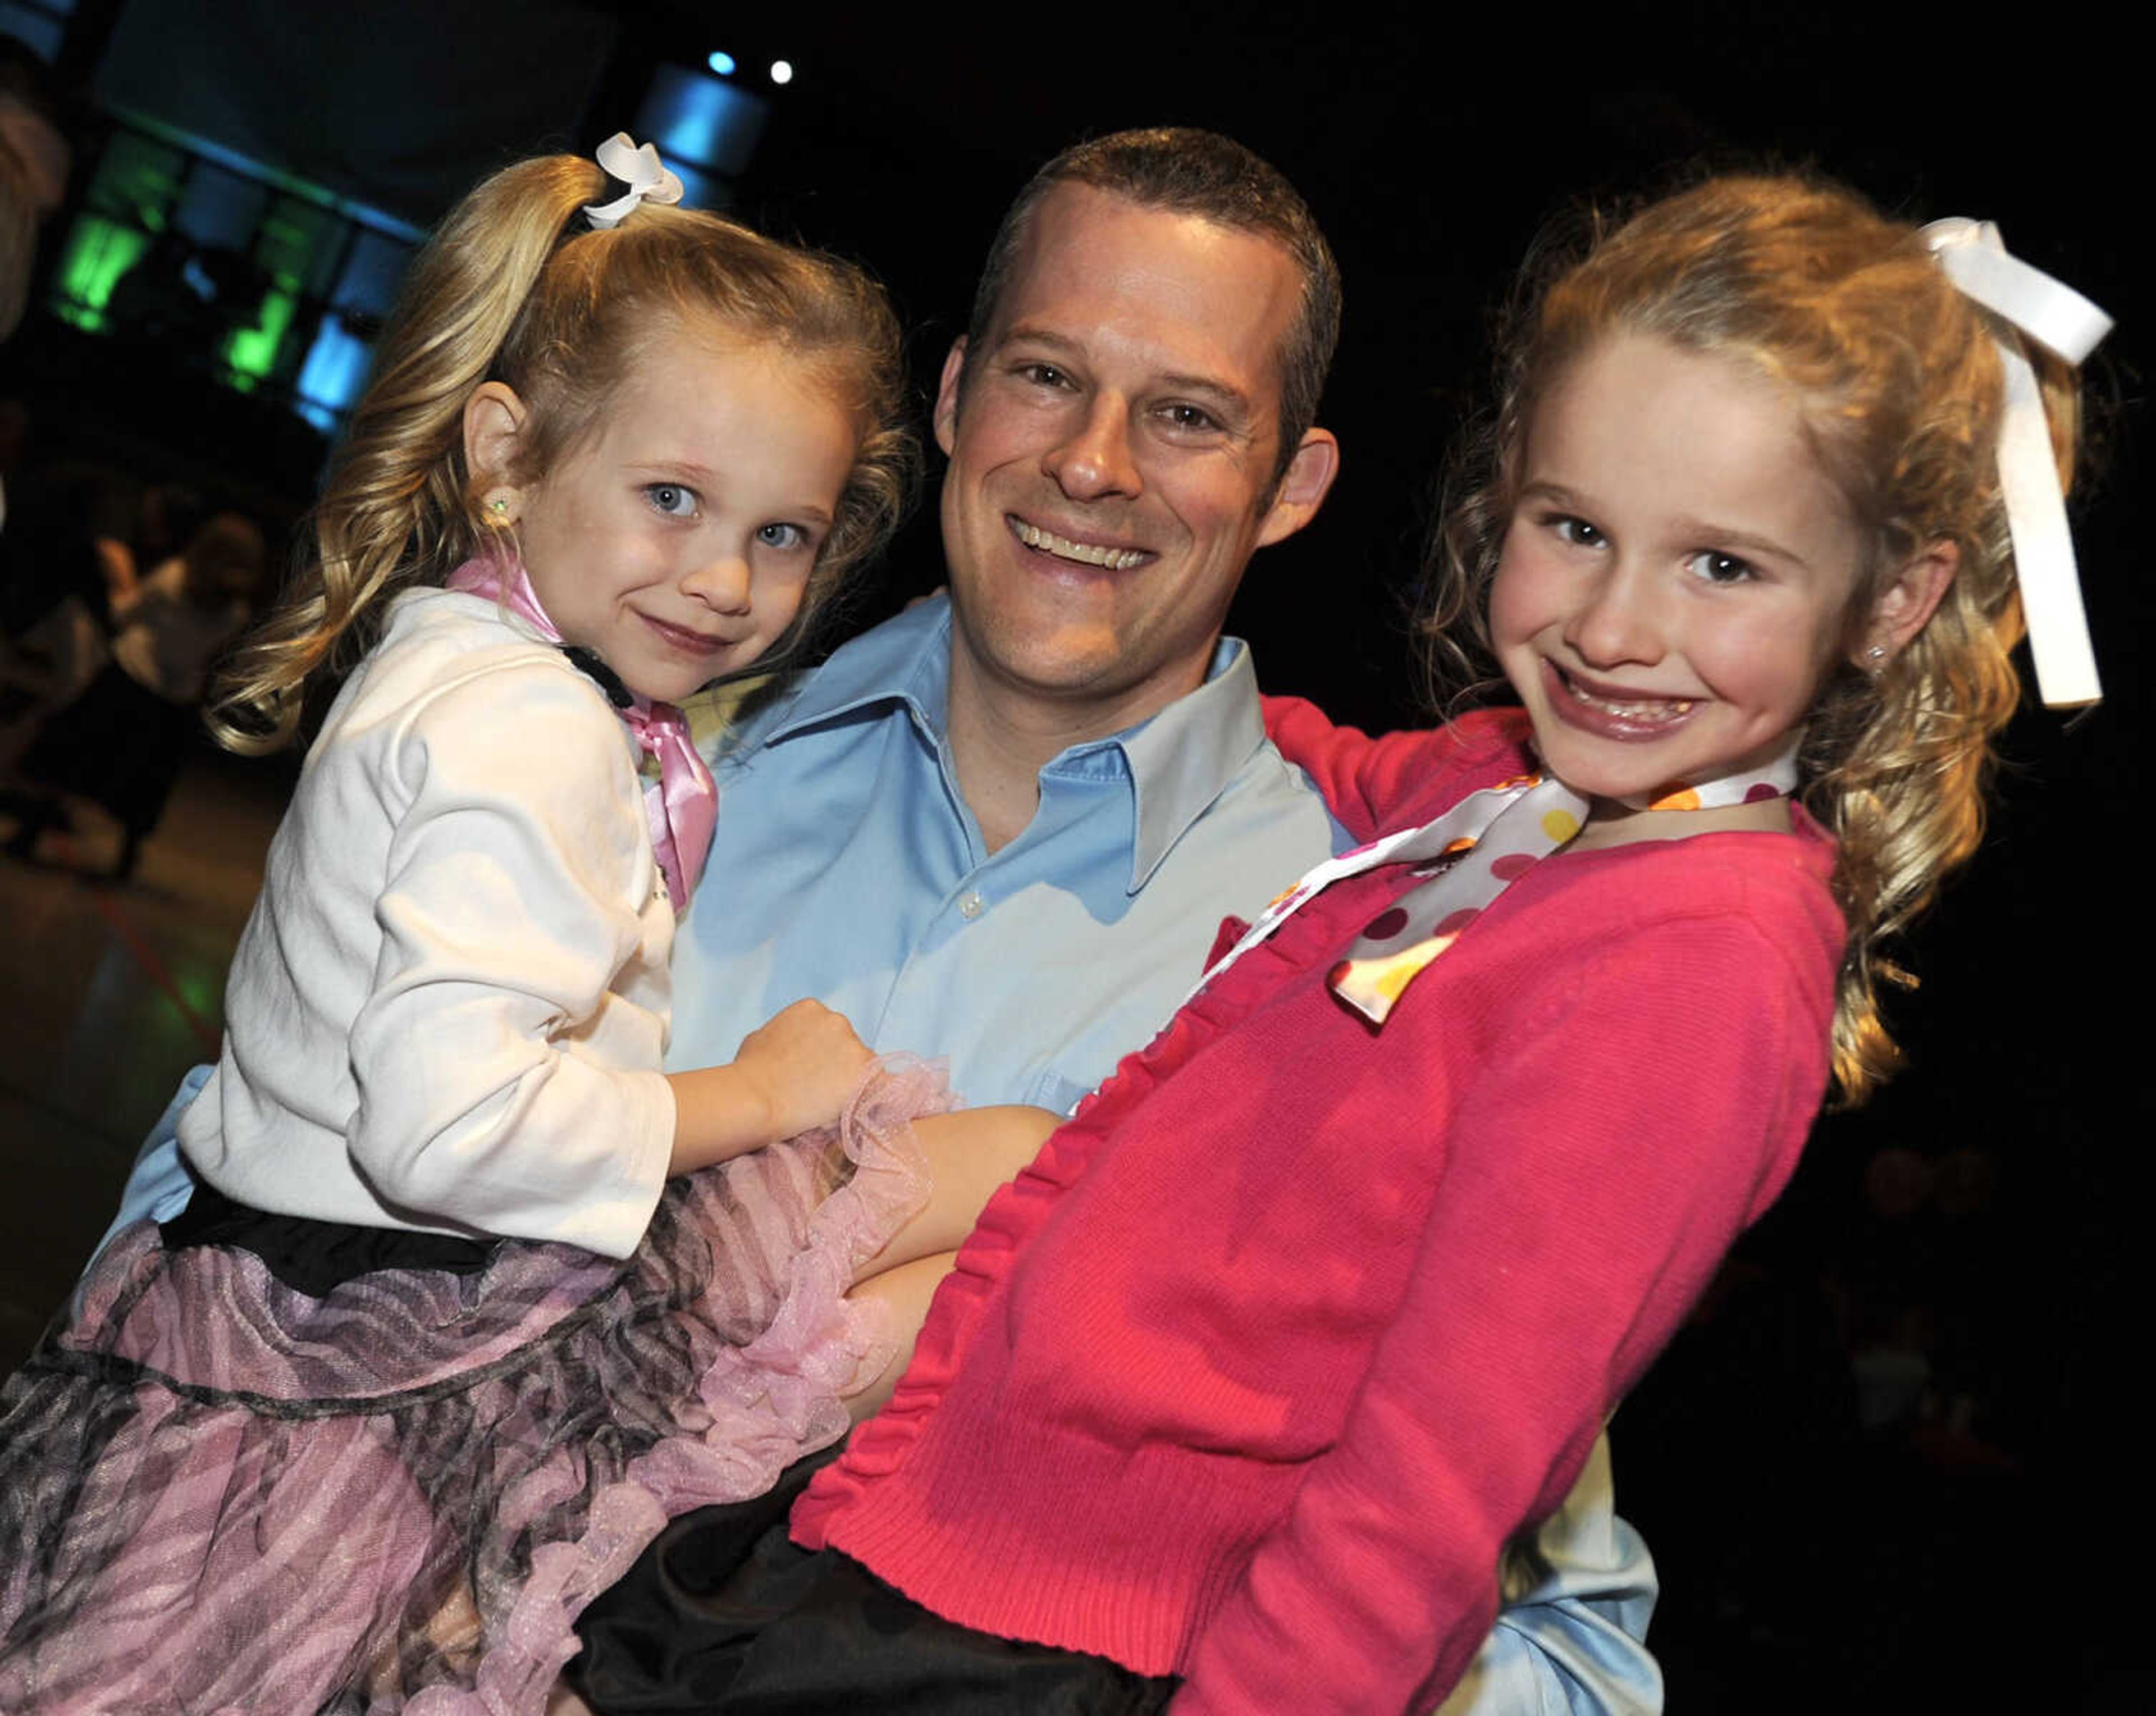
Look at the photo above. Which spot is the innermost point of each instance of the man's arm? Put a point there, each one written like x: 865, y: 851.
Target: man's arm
x: 159, y: 1184
x: 1570, y: 1639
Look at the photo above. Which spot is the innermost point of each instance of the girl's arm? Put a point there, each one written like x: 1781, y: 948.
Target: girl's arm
x: 1595, y: 1179
x: 792, y: 1073
x: 1363, y: 780
x: 516, y: 894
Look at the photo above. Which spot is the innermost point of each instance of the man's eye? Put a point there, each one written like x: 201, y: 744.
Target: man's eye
x: 1044, y: 375
x: 672, y: 499
x: 1189, y: 416
x: 1717, y: 567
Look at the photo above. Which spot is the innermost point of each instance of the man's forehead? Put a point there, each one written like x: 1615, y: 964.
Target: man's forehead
x: 1094, y: 264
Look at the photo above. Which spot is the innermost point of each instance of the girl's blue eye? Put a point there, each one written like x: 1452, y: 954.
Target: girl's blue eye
x: 782, y: 536
x: 672, y: 499
x: 1717, y: 567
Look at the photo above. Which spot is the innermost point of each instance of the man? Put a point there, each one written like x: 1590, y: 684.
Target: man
x: 1004, y: 828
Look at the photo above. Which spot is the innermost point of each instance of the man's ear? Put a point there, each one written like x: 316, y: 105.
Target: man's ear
x: 1302, y: 489
x: 495, y: 419
x: 1909, y: 599
x: 946, y: 395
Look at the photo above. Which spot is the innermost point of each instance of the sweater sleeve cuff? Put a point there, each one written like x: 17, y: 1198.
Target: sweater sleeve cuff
x: 612, y: 1222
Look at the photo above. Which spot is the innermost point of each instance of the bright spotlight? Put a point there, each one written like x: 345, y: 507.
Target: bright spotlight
x: 721, y: 62
x: 782, y: 71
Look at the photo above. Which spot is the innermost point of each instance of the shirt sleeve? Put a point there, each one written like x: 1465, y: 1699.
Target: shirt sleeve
x: 517, y: 882
x: 1596, y: 1174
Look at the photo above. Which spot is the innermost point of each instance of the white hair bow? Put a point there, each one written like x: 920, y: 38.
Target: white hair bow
x: 641, y: 170
x: 2058, y: 318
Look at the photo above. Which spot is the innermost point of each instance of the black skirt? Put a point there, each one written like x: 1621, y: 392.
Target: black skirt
x: 725, y: 1613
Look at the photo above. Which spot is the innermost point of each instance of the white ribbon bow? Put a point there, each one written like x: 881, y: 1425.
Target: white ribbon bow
x: 641, y: 170
x: 2058, y: 318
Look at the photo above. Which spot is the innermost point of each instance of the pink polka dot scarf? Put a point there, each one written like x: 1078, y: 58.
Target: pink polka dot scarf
x: 1469, y: 854
x: 682, y: 805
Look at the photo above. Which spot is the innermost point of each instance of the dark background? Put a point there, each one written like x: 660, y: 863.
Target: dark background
x: 1886, y: 1466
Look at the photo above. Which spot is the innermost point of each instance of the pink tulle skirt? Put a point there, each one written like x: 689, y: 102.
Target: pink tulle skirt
x: 220, y: 1494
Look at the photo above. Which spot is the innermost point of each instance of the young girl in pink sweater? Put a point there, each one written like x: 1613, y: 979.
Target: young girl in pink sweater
x: 1245, y: 1385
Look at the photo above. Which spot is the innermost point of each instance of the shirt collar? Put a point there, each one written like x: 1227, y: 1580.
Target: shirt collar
x: 906, y: 660
x: 1178, y: 762
x: 1183, y: 758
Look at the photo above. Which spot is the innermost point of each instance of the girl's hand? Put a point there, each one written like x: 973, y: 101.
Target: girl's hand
x: 804, y: 1064
x: 792, y: 1073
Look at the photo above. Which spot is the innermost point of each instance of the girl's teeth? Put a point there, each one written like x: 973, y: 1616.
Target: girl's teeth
x: 1085, y: 553
x: 1652, y: 709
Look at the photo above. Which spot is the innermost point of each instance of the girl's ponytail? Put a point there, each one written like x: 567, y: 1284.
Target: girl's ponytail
x: 396, y: 512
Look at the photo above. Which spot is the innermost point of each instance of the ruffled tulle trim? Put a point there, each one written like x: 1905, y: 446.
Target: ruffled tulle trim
x: 217, y: 1492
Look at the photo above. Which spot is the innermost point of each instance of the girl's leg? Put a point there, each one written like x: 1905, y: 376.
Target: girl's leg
x: 970, y: 1154
x: 907, y: 1291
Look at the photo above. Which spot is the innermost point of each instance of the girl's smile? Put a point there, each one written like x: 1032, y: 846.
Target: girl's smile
x: 1676, y: 576
x: 1611, y: 712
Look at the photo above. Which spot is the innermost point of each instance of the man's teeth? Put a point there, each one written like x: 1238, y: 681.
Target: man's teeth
x: 1647, y: 709
x: 1087, y: 553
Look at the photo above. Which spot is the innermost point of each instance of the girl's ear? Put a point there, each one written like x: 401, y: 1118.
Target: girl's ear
x: 1901, y: 609
x: 493, y: 435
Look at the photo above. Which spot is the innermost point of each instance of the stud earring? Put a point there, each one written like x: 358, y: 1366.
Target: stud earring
x: 1875, y: 659
x: 497, y: 508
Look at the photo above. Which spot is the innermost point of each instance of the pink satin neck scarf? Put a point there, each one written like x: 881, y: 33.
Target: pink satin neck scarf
x: 682, y: 805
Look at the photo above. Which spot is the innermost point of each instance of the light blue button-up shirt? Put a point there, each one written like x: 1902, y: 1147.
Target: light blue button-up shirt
x: 847, y: 867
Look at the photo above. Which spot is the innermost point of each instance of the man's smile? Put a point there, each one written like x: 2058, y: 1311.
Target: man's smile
x: 1101, y: 554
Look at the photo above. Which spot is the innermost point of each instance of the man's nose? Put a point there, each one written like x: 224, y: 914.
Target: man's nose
x: 1095, y: 460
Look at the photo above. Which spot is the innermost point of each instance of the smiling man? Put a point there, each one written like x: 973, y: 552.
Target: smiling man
x: 1117, y: 452
x: 1005, y: 827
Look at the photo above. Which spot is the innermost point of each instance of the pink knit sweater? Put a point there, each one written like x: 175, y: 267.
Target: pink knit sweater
x: 1251, y: 1375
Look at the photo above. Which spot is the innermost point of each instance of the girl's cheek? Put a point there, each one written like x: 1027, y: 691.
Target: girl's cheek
x: 1512, y: 599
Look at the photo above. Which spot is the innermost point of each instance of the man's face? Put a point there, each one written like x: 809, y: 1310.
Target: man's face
x: 1112, y: 455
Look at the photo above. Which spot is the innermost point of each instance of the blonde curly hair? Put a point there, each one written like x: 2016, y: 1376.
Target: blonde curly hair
x: 1900, y: 374
x: 513, y: 288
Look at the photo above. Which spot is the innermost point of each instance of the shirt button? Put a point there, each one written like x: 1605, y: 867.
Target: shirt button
x: 971, y: 905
